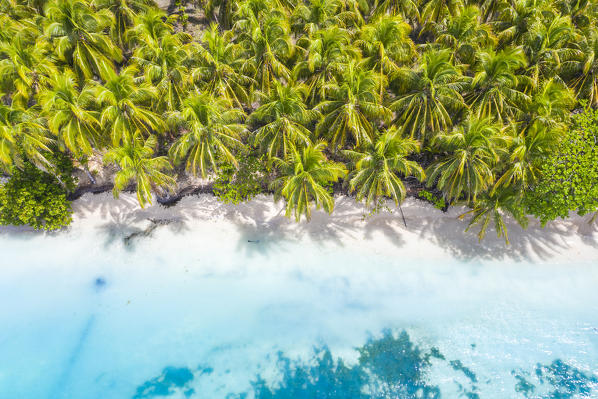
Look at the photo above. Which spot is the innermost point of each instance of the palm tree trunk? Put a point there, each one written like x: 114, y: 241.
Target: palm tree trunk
x: 402, y: 214
x: 89, y: 175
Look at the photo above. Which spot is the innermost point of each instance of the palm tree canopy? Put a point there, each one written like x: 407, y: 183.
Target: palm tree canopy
x: 303, y: 178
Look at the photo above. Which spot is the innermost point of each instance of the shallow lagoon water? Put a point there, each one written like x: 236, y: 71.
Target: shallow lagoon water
x: 199, y: 312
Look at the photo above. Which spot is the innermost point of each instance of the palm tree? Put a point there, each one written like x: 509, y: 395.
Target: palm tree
x: 77, y: 34
x: 497, y: 88
x: 284, y: 117
x: 126, y: 107
x: 428, y: 97
x: 164, y: 67
x: 545, y: 122
x: 386, y: 45
x: 353, y: 108
x: 465, y: 35
x: 378, y: 167
x: 492, y: 207
x: 303, y: 178
x: 582, y: 69
x: 148, y: 28
x: 514, y: 19
x: 210, y: 130
x: 71, y: 115
x: 124, y: 13
x: 218, y: 71
x: 23, y: 132
x: 24, y: 69
x: 435, y: 11
x: 315, y: 15
x: 323, y: 55
x: 472, y: 151
x: 249, y: 13
x: 268, y: 46
x: 546, y: 44
x: 408, y: 9
x: 136, y: 162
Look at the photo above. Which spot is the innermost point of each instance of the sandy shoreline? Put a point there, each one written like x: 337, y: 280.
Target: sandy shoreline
x: 429, y: 231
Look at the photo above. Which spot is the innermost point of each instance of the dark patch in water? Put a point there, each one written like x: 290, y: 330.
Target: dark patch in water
x: 99, y: 283
x: 391, y: 366
x: 458, y: 366
x: 326, y: 378
x: 170, y: 379
x: 523, y: 386
x: 388, y: 367
x: 74, y: 356
x: 559, y: 380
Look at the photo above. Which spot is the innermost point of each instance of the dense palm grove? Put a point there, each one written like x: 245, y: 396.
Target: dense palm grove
x: 468, y: 97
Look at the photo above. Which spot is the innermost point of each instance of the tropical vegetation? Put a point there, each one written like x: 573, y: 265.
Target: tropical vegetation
x: 487, y: 104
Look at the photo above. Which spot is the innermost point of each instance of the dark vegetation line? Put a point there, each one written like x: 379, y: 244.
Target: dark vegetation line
x: 490, y: 104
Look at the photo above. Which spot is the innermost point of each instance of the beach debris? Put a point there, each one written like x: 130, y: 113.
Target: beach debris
x: 154, y: 223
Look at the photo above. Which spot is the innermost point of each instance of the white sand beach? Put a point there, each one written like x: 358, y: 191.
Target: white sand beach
x: 428, y: 229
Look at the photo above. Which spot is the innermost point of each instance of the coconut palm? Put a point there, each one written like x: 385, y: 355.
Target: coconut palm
x: 24, y: 69
x: 136, y: 162
x: 581, y: 69
x: 352, y: 108
x: 386, y: 45
x: 497, y: 89
x: 428, y: 98
x: 315, y: 15
x: 303, y: 177
x: 124, y: 13
x: 465, y: 35
x: 126, y: 107
x: 210, y: 131
x: 546, y: 44
x: 249, y: 13
x: 515, y: 17
x: 269, y: 46
x: 435, y: 11
x: 78, y: 35
x: 148, y: 28
x: 539, y: 133
x: 408, y: 9
x: 23, y: 132
x: 71, y: 115
x: 472, y: 150
x: 218, y: 71
x: 492, y: 207
x: 380, y: 165
x: 323, y: 55
x: 164, y: 67
x: 284, y: 117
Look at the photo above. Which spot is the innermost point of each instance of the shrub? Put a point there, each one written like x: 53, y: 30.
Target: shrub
x: 36, y: 198
x: 569, y: 179
x: 239, y: 185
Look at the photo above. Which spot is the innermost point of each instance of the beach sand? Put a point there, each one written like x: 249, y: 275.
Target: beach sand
x: 428, y: 229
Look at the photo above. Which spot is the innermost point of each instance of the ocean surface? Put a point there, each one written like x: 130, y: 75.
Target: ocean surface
x: 108, y: 311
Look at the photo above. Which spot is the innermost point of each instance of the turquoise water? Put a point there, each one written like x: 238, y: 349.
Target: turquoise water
x: 200, y: 313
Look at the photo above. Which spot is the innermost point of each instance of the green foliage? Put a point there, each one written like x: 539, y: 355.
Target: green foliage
x: 486, y: 88
x: 569, y: 179
x: 236, y: 185
x: 438, y: 202
x: 36, y: 198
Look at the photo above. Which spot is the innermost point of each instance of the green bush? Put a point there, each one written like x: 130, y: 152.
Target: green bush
x: 569, y: 179
x: 239, y: 185
x: 36, y: 198
x: 438, y: 203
